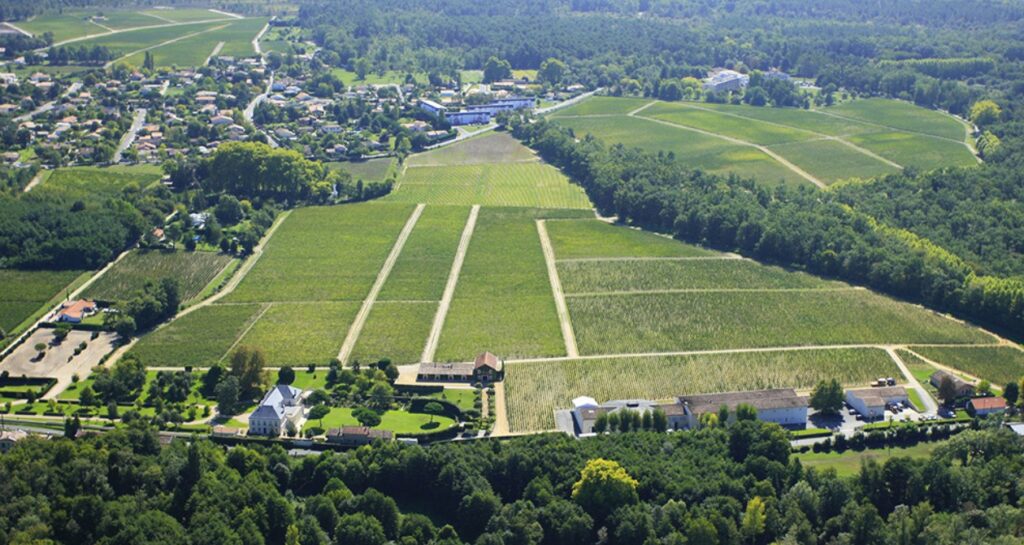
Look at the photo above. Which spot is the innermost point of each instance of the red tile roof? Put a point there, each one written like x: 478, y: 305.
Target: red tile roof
x: 77, y: 309
x: 988, y: 403
x: 488, y: 359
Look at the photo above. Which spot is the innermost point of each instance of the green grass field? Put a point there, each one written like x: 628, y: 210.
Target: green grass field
x: 200, y: 338
x: 193, y: 270
x: 601, y: 105
x: 373, y: 78
x: 534, y: 390
x: 615, y: 324
x: 597, y: 239
x: 503, y: 300
x: 748, y: 130
x: 901, y: 116
x: 184, y: 15
x: 629, y: 275
x: 396, y: 331
x: 492, y: 147
x: 848, y: 464
x: 998, y: 364
x: 23, y: 293
x: 831, y: 161
x: 373, y: 170
x: 324, y: 254
x: 126, y: 42
x: 915, y: 150
x: 399, y: 422
x: 532, y: 185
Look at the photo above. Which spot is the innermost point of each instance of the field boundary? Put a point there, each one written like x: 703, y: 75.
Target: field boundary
x: 430, y: 348
x: 568, y: 335
x: 723, y: 257
x: 382, y: 276
x: 708, y: 290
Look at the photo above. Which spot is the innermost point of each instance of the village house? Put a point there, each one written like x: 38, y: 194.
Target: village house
x: 279, y: 406
x: 984, y: 406
x: 963, y: 388
x: 74, y: 312
x: 486, y: 367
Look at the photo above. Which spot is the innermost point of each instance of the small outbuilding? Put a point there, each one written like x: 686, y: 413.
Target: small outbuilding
x: 984, y: 406
x: 871, y: 402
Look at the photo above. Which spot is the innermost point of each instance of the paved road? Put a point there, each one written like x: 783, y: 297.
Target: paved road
x: 382, y: 276
x: 73, y: 88
x: 449, y: 289
x: 556, y: 290
x: 129, y: 137
x: 930, y: 407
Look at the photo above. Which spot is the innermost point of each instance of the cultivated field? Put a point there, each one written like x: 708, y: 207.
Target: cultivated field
x: 396, y: 330
x: 22, y: 293
x: 87, y: 182
x: 597, y: 239
x: 373, y: 170
x: 532, y: 185
x: 193, y: 270
x: 503, y: 301
x: 200, y: 338
x: 998, y: 364
x: 237, y: 37
x: 184, y: 15
x: 426, y: 259
x: 301, y: 333
x: 858, y: 139
x: 127, y: 42
x: 492, y: 147
x: 535, y: 390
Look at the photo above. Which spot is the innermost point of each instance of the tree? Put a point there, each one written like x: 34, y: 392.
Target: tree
x: 552, y: 71
x: 380, y: 395
x: 984, y: 387
x: 88, y: 397
x: 318, y: 412
x: 947, y: 391
x: 985, y: 112
x: 359, y: 529
x: 827, y: 397
x: 247, y: 366
x: 147, y: 61
x: 433, y: 409
x: 604, y: 486
x: 228, y: 395
x: 366, y: 417
x: 71, y: 427
x: 659, y: 422
x: 1010, y: 393
x: 286, y: 375
x: 745, y: 412
x: 61, y: 332
x: 496, y: 69
x: 753, y: 519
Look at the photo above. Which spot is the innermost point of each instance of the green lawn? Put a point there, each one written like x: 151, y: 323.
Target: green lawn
x: 192, y: 270
x: 847, y: 464
x: 463, y: 398
x: 534, y: 390
x: 399, y: 422
x: 374, y: 78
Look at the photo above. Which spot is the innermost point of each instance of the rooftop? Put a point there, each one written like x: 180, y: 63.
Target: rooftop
x: 781, y: 398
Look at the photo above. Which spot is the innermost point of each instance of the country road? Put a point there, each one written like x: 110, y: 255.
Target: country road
x: 129, y: 137
x: 73, y: 88
x: 568, y: 335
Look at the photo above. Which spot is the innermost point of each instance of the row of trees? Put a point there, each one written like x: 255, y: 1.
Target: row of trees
x: 714, y: 486
x: 798, y: 227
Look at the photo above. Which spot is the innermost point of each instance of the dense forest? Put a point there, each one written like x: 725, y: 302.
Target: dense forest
x: 714, y: 486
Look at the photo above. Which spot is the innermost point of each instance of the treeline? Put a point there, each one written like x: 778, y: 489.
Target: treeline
x: 799, y: 227
x: 714, y: 486
x: 63, y: 55
x: 251, y: 170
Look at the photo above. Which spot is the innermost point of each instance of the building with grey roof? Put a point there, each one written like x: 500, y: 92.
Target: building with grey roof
x: 282, y: 404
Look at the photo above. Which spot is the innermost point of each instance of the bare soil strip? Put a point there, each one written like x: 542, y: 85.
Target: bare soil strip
x: 214, y: 53
x: 449, y: 289
x: 568, y: 335
x: 382, y: 276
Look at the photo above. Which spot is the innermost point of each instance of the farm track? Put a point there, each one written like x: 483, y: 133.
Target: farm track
x: 568, y: 335
x: 501, y: 427
x: 930, y: 407
x: 123, y: 30
x: 263, y: 310
x: 162, y: 44
x: 382, y: 276
x: 725, y: 257
x: 449, y: 289
x: 822, y: 136
x: 214, y: 53
x: 764, y: 149
x: 709, y: 290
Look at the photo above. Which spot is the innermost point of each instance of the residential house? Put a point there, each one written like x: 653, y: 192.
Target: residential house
x: 963, y: 388
x: 279, y: 406
x: 871, y: 402
x: 586, y: 411
x: 486, y: 367
x: 984, y: 406
x: 74, y: 312
x: 432, y: 107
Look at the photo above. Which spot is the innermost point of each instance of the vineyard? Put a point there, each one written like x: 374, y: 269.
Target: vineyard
x: 535, y: 390
x: 527, y: 184
x: 998, y: 364
x: 192, y: 270
x: 199, y: 338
